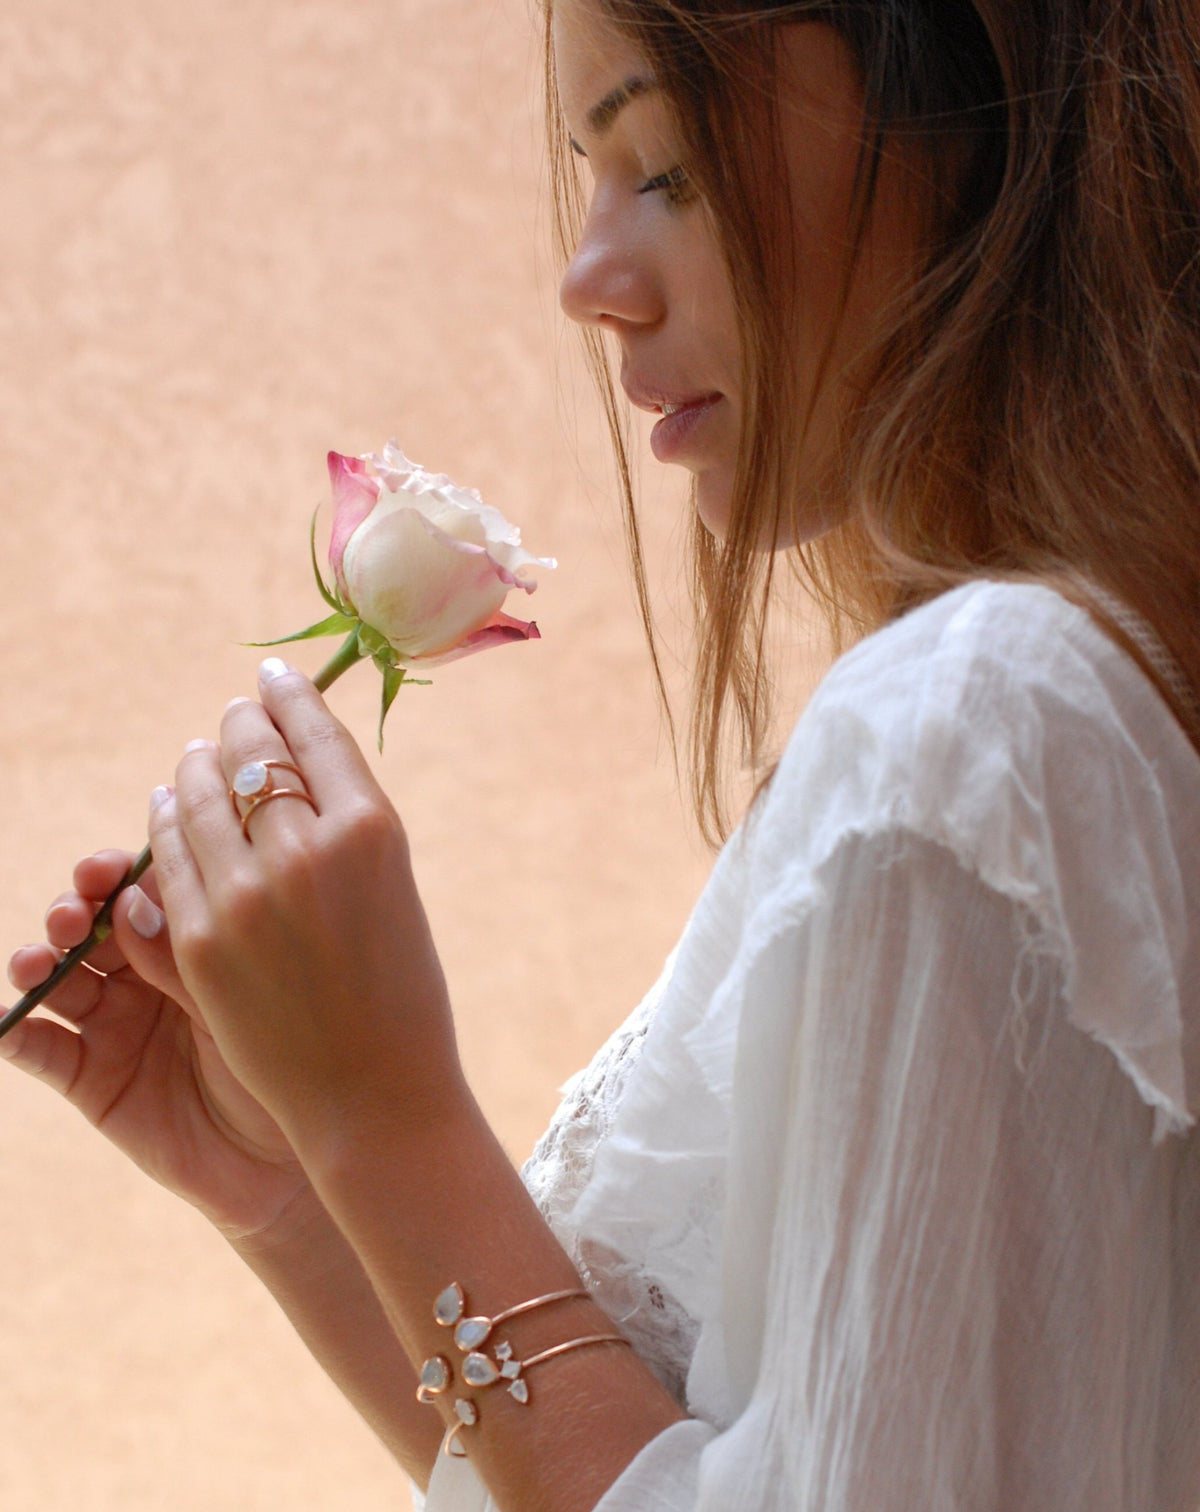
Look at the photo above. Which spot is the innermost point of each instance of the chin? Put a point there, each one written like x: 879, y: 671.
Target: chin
x: 818, y: 512
x: 713, y: 498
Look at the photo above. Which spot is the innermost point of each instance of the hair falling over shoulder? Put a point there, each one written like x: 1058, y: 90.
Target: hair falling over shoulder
x: 1033, y: 407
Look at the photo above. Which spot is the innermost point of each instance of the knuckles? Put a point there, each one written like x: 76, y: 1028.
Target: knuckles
x: 289, y: 881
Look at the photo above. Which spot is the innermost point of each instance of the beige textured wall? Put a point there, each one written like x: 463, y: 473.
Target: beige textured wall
x: 236, y: 234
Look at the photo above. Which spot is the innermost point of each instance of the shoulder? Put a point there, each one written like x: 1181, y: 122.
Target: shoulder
x: 977, y: 719
x: 988, y: 669
x: 1001, y: 724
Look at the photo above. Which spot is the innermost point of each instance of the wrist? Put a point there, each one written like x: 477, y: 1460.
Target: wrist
x: 380, y: 1133
x: 427, y: 1203
x: 302, y: 1233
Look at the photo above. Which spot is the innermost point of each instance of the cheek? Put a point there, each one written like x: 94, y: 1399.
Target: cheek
x: 712, y: 312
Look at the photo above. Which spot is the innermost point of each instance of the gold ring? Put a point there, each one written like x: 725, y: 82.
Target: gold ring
x: 266, y: 798
x: 253, y: 784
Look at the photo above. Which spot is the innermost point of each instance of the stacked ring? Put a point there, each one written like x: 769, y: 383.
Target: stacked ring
x: 253, y: 785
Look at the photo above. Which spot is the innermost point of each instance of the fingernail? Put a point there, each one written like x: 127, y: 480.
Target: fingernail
x: 145, y: 918
x: 159, y: 796
x: 10, y: 1044
x: 272, y: 668
x: 199, y: 745
x: 233, y: 703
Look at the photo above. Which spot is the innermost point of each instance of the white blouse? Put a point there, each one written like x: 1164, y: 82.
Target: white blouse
x: 891, y: 1178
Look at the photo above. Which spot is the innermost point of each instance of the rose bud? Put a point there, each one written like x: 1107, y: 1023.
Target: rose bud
x: 424, y: 563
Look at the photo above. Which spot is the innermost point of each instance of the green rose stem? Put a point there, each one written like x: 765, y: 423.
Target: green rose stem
x: 350, y: 652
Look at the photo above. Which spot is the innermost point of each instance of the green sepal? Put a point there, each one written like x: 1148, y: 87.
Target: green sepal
x: 331, y: 598
x: 336, y: 624
x: 393, y: 681
x: 375, y: 645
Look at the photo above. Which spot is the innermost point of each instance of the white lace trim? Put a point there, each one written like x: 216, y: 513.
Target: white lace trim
x: 560, y: 1168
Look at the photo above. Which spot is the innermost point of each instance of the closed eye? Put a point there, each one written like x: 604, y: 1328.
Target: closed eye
x: 674, y: 183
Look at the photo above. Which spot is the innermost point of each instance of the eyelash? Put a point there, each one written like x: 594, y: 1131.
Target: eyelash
x: 674, y: 183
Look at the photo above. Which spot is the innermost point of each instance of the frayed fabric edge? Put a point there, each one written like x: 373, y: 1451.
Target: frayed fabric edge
x: 1171, y: 1114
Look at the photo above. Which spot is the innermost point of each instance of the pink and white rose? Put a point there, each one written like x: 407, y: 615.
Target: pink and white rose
x: 424, y: 563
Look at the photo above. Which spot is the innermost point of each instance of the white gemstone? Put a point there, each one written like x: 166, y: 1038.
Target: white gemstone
x: 251, y: 779
x: 435, y: 1374
x: 504, y: 1350
x: 467, y: 1411
x: 449, y: 1306
x: 520, y: 1390
x: 478, y: 1370
x: 511, y: 1369
x: 471, y: 1333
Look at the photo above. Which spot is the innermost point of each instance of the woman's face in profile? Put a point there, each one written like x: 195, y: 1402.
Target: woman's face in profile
x: 649, y: 267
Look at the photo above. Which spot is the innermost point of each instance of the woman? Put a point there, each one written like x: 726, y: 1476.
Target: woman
x: 890, y: 1182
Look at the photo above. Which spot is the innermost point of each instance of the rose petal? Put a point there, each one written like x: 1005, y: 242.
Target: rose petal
x: 421, y: 590
x: 355, y: 493
x: 503, y: 630
x: 456, y: 509
x: 426, y: 564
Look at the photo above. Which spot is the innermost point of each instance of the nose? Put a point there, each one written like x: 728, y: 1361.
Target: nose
x: 611, y: 280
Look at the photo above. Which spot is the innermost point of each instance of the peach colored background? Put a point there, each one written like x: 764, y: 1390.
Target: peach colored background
x: 237, y: 234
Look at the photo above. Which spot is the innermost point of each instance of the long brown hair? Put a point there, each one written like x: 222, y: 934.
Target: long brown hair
x: 1034, y: 409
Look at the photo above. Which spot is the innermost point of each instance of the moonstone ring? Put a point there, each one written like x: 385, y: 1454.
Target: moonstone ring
x: 254, y: 785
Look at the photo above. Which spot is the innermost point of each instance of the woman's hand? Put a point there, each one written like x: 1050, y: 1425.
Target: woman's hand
x: 301, y: 938
x: 140, y: 1063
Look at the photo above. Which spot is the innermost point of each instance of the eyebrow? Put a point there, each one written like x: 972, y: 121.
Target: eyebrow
x: 605, y: 111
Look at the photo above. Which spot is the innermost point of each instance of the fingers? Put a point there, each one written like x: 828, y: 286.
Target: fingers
x: 74, y: 997
x: 175, y: 865
x: 141, y: 931
x: 69, y: 921
x: 96, y: 876
x: 326, y: 752
x: 249, y: 735
x: 44, y: 1049
x: 140, y: 941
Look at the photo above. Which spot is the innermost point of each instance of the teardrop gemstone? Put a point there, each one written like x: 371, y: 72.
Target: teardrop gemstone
x: 435, y: 1375
x: 449, y: 1306
x: 478, y: 1370
x: 472, y: 1332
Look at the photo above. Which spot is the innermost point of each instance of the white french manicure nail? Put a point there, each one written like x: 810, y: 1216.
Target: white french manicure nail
x: 159, y: 796
x: 144, y: 917
x: 199, y: 745
x: 272, y: 668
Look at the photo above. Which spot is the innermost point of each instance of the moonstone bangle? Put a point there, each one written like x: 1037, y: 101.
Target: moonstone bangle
x: 482, y: 1370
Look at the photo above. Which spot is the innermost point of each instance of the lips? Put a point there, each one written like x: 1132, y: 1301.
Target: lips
x: 663, y: 401
x: 683, y: 416
x: 677, y: 431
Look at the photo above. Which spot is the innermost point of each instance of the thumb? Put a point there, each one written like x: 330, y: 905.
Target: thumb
x: 144, y: 939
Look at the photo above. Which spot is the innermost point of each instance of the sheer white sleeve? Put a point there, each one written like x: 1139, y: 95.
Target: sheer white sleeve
x: 906, y: 1147
x: 965, y: 1272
